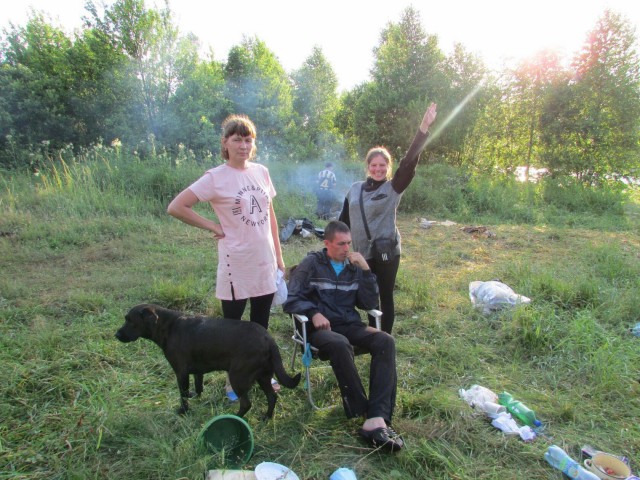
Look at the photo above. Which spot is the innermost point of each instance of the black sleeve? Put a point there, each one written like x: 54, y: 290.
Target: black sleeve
x: 300, y: 295
x: 344, y: 214
x: 407, y: 168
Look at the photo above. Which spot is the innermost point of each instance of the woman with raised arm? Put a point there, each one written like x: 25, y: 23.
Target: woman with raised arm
x: 370, y: 209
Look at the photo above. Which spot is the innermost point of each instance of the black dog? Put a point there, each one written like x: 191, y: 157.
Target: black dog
x: 197, y: 345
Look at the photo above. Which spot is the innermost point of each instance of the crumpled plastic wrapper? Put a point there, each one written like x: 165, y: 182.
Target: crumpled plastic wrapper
x: 506, y: 423
x: 477, y: 396
x: 482, y: 400
x: 494, y: 295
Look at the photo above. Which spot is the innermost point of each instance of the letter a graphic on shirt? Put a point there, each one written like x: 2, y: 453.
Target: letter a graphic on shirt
x: 254, y: 205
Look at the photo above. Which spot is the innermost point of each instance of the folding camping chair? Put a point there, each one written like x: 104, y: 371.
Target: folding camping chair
x: 309, y: 352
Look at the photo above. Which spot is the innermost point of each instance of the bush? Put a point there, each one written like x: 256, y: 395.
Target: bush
x: 568, y: 194
x: 437, y: 190
x: 505, y: 198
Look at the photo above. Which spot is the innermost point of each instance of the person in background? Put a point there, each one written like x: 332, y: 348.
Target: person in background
x: 324, y: 191
x: 381, y: 194
x: 327, y: 286
x: 241, y: 195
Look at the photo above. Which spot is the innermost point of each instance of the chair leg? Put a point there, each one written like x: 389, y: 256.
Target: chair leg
x: 309, y: 394
x: 305, y: 362
x: 307, y: 373
x: 293, y: 357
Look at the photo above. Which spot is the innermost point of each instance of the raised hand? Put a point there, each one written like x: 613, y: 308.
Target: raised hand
x: 429, y: 117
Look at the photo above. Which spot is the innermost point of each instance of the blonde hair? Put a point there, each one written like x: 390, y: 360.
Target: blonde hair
x: 241, y: 125
x: 384, y: 153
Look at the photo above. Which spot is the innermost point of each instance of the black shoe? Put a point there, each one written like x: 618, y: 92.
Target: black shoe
x: 383, y: 437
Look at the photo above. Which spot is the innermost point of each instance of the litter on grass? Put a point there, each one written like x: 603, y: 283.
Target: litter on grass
x: 484, y: 400
x: 478, y: 231
x: 300, y: 226
x: 424, y: 223
x: 478, y: 396
x: 505, y: 422
x: 494, y: 295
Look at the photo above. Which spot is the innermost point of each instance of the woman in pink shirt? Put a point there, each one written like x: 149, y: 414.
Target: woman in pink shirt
x: 241, y: 194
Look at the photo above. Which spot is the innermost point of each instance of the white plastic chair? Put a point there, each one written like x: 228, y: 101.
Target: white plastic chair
x: 309, y: 351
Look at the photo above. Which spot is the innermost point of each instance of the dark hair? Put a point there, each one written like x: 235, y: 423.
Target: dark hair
x: 333, y: 227
x: 328, y: 165
x: 237, y: 124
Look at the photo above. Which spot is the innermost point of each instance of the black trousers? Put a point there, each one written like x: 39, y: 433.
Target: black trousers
x: 260, y: 308
x: 325, y: 200
x: 386, y: 273
x: 337, y: 347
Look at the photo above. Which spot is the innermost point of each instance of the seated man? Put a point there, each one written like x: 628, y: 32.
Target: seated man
x: 327, y: 286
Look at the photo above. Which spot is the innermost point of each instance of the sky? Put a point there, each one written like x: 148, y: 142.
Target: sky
x: 347, y: 31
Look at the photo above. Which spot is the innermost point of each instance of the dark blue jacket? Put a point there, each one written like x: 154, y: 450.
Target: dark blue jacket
x: 314, y: 287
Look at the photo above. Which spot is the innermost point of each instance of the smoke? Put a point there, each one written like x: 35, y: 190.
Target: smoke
x: 301, y: 178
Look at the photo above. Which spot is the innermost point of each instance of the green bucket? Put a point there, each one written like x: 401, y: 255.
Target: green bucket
x: 228, y: 436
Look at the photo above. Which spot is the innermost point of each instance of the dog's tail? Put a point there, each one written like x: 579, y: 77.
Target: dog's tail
x: 281, y: 374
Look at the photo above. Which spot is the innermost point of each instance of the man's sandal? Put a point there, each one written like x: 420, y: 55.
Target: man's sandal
x: 383, y: 437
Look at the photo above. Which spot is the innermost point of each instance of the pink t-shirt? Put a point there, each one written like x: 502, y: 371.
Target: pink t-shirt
x: 246, y: 255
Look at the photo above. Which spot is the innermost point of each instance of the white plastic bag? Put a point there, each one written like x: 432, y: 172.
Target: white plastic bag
x: 281, y: 290
x: 493, y: 295
x: 508, y: 425
x: 483, y: 400
x: 477, y: 396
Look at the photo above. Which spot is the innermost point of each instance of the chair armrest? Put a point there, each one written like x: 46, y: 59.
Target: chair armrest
x: 300, y: 329
x: 301, y: 318
x: 377, y: 314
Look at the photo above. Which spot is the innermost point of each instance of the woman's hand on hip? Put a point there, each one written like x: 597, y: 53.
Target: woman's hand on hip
x: 218, y: 233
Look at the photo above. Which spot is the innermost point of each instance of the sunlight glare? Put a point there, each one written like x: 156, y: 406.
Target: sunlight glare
x: 458, y: 108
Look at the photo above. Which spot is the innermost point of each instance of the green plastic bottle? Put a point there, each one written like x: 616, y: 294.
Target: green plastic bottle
x: 518, y: 409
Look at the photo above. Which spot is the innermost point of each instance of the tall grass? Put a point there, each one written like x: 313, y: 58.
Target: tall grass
x: 87, y: 238
x: 442, y: 191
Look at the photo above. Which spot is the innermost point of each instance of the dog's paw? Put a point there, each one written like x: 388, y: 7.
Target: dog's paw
x: 193, y: 394
x: 182, y: 410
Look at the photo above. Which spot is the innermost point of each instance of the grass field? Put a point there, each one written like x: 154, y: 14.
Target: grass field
x: 75, y: 403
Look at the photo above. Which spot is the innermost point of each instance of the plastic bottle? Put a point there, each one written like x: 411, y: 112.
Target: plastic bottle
x: 558, y: 458
x: 518, y: 409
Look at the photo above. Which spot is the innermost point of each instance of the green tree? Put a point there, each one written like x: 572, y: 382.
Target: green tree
x: 591, y: 126
x: 35, y: 81
x: 491, y: 142
x: 406, y: 77
x: 103, y: 99
x: 464, y: 96
x: 511, y: 128
x: 345, y: 118
x: 258, y: 86
x: 316, y: 103
x: 159, y: 57
x: 198, y: 107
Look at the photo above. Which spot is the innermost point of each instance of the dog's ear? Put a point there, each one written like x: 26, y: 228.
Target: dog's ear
x: 149, y: 314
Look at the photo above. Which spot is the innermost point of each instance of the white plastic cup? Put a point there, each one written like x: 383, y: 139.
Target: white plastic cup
x: 491, y: 408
